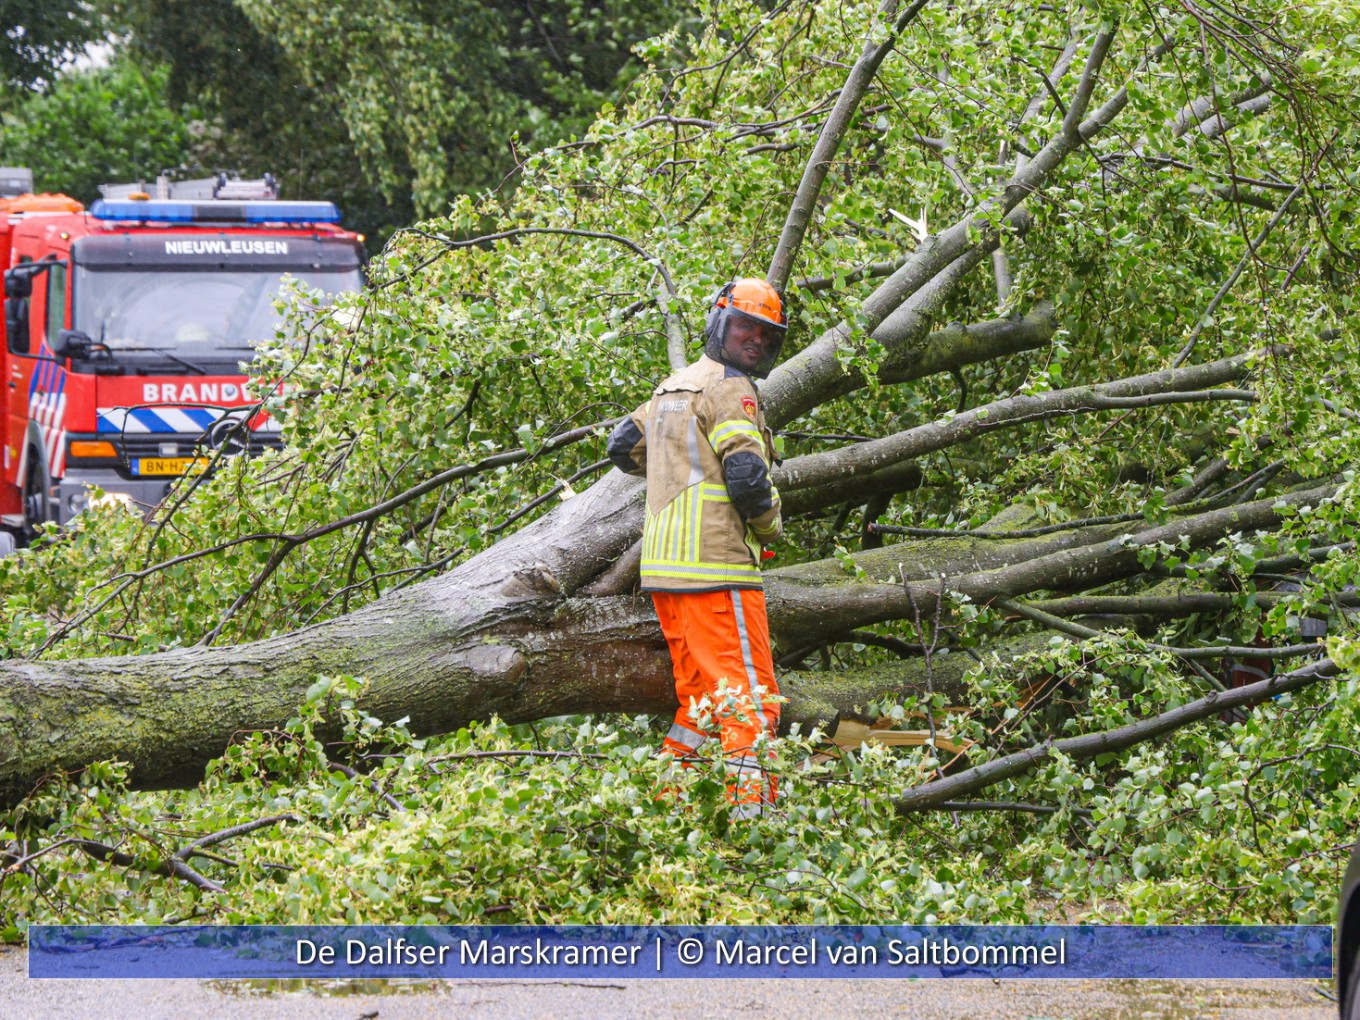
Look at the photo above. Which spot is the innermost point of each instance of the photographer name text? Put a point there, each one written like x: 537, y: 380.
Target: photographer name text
x: 734, y: 953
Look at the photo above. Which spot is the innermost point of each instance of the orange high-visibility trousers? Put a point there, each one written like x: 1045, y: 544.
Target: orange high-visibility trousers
x: 721, y: 639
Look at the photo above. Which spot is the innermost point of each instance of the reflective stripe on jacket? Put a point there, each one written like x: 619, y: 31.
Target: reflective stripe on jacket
x: 702, y: 444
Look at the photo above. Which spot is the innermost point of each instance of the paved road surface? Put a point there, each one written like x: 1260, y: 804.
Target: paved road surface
x: 23, y: 999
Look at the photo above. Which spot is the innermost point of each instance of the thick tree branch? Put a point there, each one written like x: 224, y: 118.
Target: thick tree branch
x: 173, y: 867
x: 1201, y: 652
x: 1001, y: 269
x: 1199, y: 112
x: 856, y: 85
x: 1169, y: 386
x: 869, y: 271
x: 901, y: 477
x: 222, y: 835
x: 289, y: 541
x: 1121, y: 738
x: 949, y: 348
x: 801, y: 382
x: 801, y: 598
x: 1169, y: 606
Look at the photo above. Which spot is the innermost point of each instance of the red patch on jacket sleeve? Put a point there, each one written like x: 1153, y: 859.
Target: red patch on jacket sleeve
x: 748, y: 404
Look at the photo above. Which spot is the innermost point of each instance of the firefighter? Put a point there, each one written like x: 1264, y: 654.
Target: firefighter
x: 702, y: 445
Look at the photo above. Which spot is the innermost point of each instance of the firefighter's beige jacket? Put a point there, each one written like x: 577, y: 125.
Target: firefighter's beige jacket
x: 694, y: 538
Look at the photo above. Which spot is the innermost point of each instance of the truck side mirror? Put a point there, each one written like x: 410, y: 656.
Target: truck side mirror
x: 18, y: 289
x: 16, y: 323
x: 72, y: 343
x: 19, y: 282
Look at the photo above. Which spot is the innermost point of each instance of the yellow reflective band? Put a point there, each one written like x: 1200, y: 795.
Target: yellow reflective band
x: 681, y: 525
x: 673, y: 534
x: 716, y: 493
x: 701, y: 571
x: 701, y: 565
x: 731, y: 429
x: 654, y: 533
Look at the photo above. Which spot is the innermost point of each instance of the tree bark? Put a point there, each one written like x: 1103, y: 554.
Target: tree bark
x: 503, y: 636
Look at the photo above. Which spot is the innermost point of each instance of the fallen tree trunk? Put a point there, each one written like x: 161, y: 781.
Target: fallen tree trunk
x: 443, y: 664
x: 486, y: 640
x: 444, y: 653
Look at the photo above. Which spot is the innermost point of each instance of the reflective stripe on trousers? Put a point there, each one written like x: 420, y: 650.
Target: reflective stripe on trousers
x: 720, y: 649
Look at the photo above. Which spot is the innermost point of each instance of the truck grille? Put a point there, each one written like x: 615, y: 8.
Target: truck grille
x: 156, y: 444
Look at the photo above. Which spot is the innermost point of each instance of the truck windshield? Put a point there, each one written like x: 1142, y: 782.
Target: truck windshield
x: 190, y: 313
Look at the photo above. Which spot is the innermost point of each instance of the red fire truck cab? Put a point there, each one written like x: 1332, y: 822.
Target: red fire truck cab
x: 126, y: 325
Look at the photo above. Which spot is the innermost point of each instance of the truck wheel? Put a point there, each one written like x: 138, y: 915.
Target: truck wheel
x: 35, y: 496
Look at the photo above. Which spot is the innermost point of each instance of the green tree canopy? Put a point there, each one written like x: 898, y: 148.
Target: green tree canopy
x: 396, y: 106
x: 40, y: 38
x: 99, y: 125
x: 1073, y: 296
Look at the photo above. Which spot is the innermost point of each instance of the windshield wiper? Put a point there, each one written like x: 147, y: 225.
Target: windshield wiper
x: 177, y: 360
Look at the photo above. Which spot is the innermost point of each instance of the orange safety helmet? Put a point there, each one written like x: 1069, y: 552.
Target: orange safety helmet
x: 749, y: 298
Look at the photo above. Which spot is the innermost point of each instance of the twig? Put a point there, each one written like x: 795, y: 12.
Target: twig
x: 350, y: 773
x: 23, y: 862
x: 174, y: 867
x: 1090, y: 745
x: 1202, y: 652
x: 538, y: 501
x: 476, y: 755
x: 1233, y: 277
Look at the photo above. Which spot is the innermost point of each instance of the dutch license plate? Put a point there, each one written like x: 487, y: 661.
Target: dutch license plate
x: 166, y: 465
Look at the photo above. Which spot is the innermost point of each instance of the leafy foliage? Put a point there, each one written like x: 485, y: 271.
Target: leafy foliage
x: 488, y: 352
x: 392, y: 108
x: 40, y: 38
x: 564, y: 824
x: 95, y: 126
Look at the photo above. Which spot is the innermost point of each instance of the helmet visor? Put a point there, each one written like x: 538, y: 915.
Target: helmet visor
x: 750, y: 343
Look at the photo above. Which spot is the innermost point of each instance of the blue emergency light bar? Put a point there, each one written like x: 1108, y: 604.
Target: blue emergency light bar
x: 160, y: 211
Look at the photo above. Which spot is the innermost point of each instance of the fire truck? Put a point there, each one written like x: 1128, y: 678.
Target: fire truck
x: 126, y: 326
